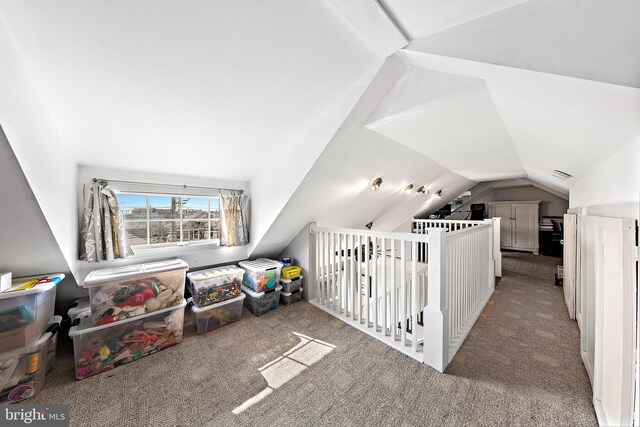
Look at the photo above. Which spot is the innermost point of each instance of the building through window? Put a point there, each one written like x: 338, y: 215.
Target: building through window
x: 161, y: 220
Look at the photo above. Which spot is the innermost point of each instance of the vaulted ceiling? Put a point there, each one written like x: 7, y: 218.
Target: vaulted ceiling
x: 442, y: 94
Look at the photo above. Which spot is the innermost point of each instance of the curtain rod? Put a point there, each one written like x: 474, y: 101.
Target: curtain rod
x: 106, y: 181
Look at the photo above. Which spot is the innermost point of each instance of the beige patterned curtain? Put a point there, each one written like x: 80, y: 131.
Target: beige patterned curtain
x: 103, y: 236
x: 233, y: 219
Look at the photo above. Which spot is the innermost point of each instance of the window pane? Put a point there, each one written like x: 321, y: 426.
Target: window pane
x: 194, y: 230
x: 134, y: 206
x: 164, y: 232
x: 164, y: 207
x: 215, y: 208
x: 195, y: 208
x: 136, y: 233
x: 215, y: 229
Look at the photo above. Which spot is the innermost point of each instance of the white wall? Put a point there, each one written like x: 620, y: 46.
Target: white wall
x: 43, y: 155
x: 274, y: 185
x: 611, y: 188
x: 27, y: 245
x: 550, y: 205
x: 302, y: 254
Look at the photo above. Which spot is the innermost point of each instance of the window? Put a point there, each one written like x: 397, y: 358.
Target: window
x: 152, y: 219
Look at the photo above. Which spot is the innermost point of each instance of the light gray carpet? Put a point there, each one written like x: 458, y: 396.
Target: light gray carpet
x: 519, y: 366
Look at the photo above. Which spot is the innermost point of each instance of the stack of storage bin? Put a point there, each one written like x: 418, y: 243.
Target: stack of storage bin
x: 260, y: 285
x: 216, y: 297
x: 134, y: 311
x: 291, y: 283
x: 28, y: 337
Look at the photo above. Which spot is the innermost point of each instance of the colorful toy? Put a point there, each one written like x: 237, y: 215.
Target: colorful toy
x: 215, y: 285
x: 124, y: 292
x: 99, y: 349
x: 134, y: 298
x: 261, y: 275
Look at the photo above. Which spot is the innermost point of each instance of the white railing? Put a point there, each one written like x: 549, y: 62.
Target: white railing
x: 422, y: 226
x: 461, y: 270
x: 375, y: 282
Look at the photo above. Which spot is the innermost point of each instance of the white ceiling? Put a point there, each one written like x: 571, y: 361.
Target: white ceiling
x: 589, y: 39
x: 213, y: 89
x: 510, y: 122
x: 424, y: 17
x: 460, y: 130
x: 488, y: 89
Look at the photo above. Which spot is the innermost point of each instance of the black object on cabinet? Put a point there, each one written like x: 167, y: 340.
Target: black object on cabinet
x: 477, y: 211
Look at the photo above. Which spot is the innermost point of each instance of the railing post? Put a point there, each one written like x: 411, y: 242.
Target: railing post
x: 436, y: 317
x: 497, y: 254
x: 313, y: 286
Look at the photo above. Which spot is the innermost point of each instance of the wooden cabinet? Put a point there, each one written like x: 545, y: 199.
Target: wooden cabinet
x: 518, y: 224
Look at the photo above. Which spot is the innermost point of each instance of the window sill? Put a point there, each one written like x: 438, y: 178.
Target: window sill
x: 159, y: 248
x: 141, y: 255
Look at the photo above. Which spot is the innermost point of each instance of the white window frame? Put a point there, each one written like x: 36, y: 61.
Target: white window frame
x: 181, y: 220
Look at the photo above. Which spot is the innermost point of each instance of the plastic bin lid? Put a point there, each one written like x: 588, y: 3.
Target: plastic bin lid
x: 86, y: 327
x: 100, y: 276
x: 255, y: 294
x: 288, y: 294
x: 260, y: 264
x: 212, y: 273
x: 42, y: 287
x: 283, y: 280
x: 197, y: 309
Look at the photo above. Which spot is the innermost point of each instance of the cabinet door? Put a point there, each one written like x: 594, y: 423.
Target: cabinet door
x: 504, y: 213
x: 524, y: 225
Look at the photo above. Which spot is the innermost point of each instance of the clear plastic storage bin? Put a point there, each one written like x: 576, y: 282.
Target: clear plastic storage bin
x: 215, y: 285
x: 261, y: 302
x: 262, y: 274
x: 23, y: 370
x: 24, y: 315
x: 79, y: 308
x: 216, y: 316
x: 125, y: 292
x: 52, y: 343
x: 287, y: 298
x: 101, y: 348
x: 291, y: 285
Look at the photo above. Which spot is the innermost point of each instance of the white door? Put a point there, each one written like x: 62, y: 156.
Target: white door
x: 569, y: 257
x: 608, y: 337
x: 524, y: 225
x: 503, y: 211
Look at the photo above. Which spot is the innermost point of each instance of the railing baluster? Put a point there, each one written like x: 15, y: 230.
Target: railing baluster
x: 375, y: 284
x: 403, y: 294
x: 352, y: 274
x: 367, y: 282
x: 414, y: 295
x: 394, y: 316
x: 360, y: 252
x: 319, y: 267
x: 340, y: 266
x: 383, y: 264
x: 333, y: 271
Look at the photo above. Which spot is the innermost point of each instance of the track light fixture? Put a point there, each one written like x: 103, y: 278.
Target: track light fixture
x: 376, y: 184
x: 438, y: 194
x: 423, y: 190
x: 408, y: 188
